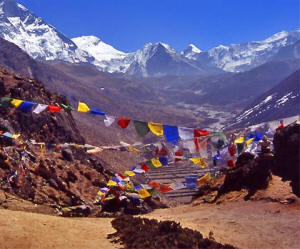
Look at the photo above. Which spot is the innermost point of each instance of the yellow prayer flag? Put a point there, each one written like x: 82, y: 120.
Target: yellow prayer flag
x: 143, y: 193
x: 15, y: 136
x: 132, y: 149
x: 82, y: 107
x: 112, y: 183
x: 156, y: 163
x: 109, y: 198
x: 129, y: 173
x: 43, y: 148
x: 156, y: 128
x: 239, y: 140
x: 204, y: 179
x: 100, y: 193
x: 129, y: 186
x: 249, y: 141
x: 200, y: 161
x: 16, y: 102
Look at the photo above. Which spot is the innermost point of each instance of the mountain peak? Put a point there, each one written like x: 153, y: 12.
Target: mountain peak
x: 191, y: 52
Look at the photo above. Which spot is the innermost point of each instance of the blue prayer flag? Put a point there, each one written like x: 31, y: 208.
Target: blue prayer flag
x: 171, y: 134
x: 97, y: 112
x: 27, y: 106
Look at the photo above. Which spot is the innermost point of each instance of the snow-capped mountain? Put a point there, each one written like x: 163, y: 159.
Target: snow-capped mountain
x: 43, y: 42
x: 191, y: 52
x: 280, y: 102
x: 245, y: 56
x: 34, y: 36
x: 98, y: 49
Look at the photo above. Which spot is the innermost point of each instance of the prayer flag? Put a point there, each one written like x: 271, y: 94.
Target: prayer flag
x: 15, y: 136
x: 145, y: 167
x: 26, y: 106
x: 143, y: 193
x: 163, y: 160
x: 138, y: 187
x: 150, y: 165
x: 129, y: 173
x: 200, y: 133
x: 239, y: 140
x: 199, y: 160
x: 132, y: 149
x: 97, y: 112
x: 232, y: 149
x: 171, y: 134
x: 16, y: 102
x: 109, y: 120
x: 54, y: 108
x: 191, y: 181
x: 156, y: 128
x: 154, y: 184
x: 67, y: 107
x: 138, y: 171
x: 123, y: 122
x: 112, y: 183
x: 177, y: 185
x: 186, y: 133
x: 156, y: 163
x: 39, y: 108
x: 82, y: 107
x: 178, y: 156
x: 141, y: 128
x: 164, y: 189
x: 204, y: 179
x: 7, y: 134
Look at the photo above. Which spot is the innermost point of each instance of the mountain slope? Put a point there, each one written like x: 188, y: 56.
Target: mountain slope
x: 280, y: 102
x: 39, y: 39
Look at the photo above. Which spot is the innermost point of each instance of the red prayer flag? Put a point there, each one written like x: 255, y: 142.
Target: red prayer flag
x: 178, y: 153
x: 123, y: 122
x: 196, y: 143
x: 122, y: 176
x: 154, y: 185
x: 145, y: 167
x: 232, y: 150
x: 54, y: 108
x: 200, y: 133
x: 230, y: 163
x: 164, y: 188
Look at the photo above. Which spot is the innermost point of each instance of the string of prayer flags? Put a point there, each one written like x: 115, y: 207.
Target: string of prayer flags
x: 97, y: 112
x: 27, y: 106
x: 204, y: 179
x: 16, y: 102
x: 40, y: 108
x: 156, y: 128
x: 186, y: 133
x: 82, y: 107
x: 171, y: 134
x: 141, y: 128
x: 109, y: 120
x: 123, y: 122
x: 156, y: 163
x: 54, y: 108
x: 143, y: 193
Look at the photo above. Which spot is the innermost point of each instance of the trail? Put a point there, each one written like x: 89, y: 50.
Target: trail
x: 22, y: 230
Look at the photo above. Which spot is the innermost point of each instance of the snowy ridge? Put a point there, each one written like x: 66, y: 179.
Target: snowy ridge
x: 191, y: 52
x: 245, y: 56
x: 40, y: 40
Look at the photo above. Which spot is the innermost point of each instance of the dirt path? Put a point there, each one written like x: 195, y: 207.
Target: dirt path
x: 247, y: 225
x: 37, y: 231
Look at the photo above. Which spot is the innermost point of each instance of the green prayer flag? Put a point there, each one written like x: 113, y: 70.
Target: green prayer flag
x: 66, y: 107
x: 150, y: 165
x: 141, y: 128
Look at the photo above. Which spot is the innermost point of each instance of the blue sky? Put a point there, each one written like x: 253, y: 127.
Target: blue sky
x: 129, y: 24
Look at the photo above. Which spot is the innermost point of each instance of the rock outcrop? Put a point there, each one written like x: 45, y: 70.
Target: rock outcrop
x: 287, y: 155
